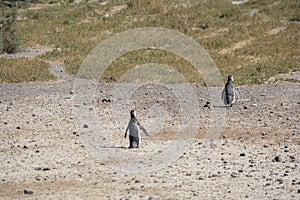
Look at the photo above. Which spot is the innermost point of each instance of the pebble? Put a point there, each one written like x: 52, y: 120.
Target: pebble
x: 27, y: 191
x: 106, y: 100
x: 234, y: 175
x: 267, y: 184
x: 85, y: 126
x: 242, y: 154
x: 277, y: 159
x: 207, y: 105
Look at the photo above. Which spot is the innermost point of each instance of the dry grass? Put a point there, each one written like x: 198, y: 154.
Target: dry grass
x: 76, y: 28
x: 24, y: 70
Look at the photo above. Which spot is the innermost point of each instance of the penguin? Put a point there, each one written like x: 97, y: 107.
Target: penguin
x: 134, y: 128
x: 230, y: 94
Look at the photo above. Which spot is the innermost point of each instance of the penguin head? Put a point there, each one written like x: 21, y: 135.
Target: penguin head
x: 132, y: 114
x: 230, y: 78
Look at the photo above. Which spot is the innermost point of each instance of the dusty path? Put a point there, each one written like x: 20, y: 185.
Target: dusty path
x: 42, y: 151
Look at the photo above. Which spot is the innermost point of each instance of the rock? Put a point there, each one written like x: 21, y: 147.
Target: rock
x: 242, y: 154
x: 245, y: 107
x: 134, y: 188
x: 85, y: 126
x: 298, y: 191
x: 277, y: 159
x: 27, y: 191
x: 150, y: 197
x: 208, y: 105
x: 46, y: 169
x: 204, y: 26
x: 253, y: 12
x: 241, y: 2
x: 292, y: 157
x: 234, y: 175
x: 106, y: 100
x: 195, y: 193
x: 267, y: 184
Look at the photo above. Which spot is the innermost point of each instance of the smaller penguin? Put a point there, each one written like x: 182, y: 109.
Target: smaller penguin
x: 230, y: 94
x: 134, y: 128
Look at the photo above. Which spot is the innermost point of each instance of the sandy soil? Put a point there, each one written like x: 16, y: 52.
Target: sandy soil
x: 44, y: 156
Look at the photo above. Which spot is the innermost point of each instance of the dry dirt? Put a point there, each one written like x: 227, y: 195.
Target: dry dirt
x: 43, y: 155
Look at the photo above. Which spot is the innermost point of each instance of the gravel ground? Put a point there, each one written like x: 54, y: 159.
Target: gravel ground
x: 44, y: 155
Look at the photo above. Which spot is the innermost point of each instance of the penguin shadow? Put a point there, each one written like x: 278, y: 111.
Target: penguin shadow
x: 209, y: 105
x: 221, y: 107
x: 113, y: 147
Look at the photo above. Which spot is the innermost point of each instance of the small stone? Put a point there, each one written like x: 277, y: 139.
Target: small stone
x: 207, y: 105
x: 85, y: 126
x: 204, y: 26
x: 134, y: 188
x: 245, y: 107
x: 137, y: 181
x: 37, y: 168
x: 106, y: 100
x: 18, y: 127
x: 292, y: 158
x: 27, y: 191
x: 234, y: 175
x: 277, y: 159
x: 242, y: 154
x: 46, y: 169
x: 267, y: 184
x: 298, y: 191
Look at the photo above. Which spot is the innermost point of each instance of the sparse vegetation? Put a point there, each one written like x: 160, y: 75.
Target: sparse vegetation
x: 24, y: 70
x: 74, y: 29
x: 10, y: 38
